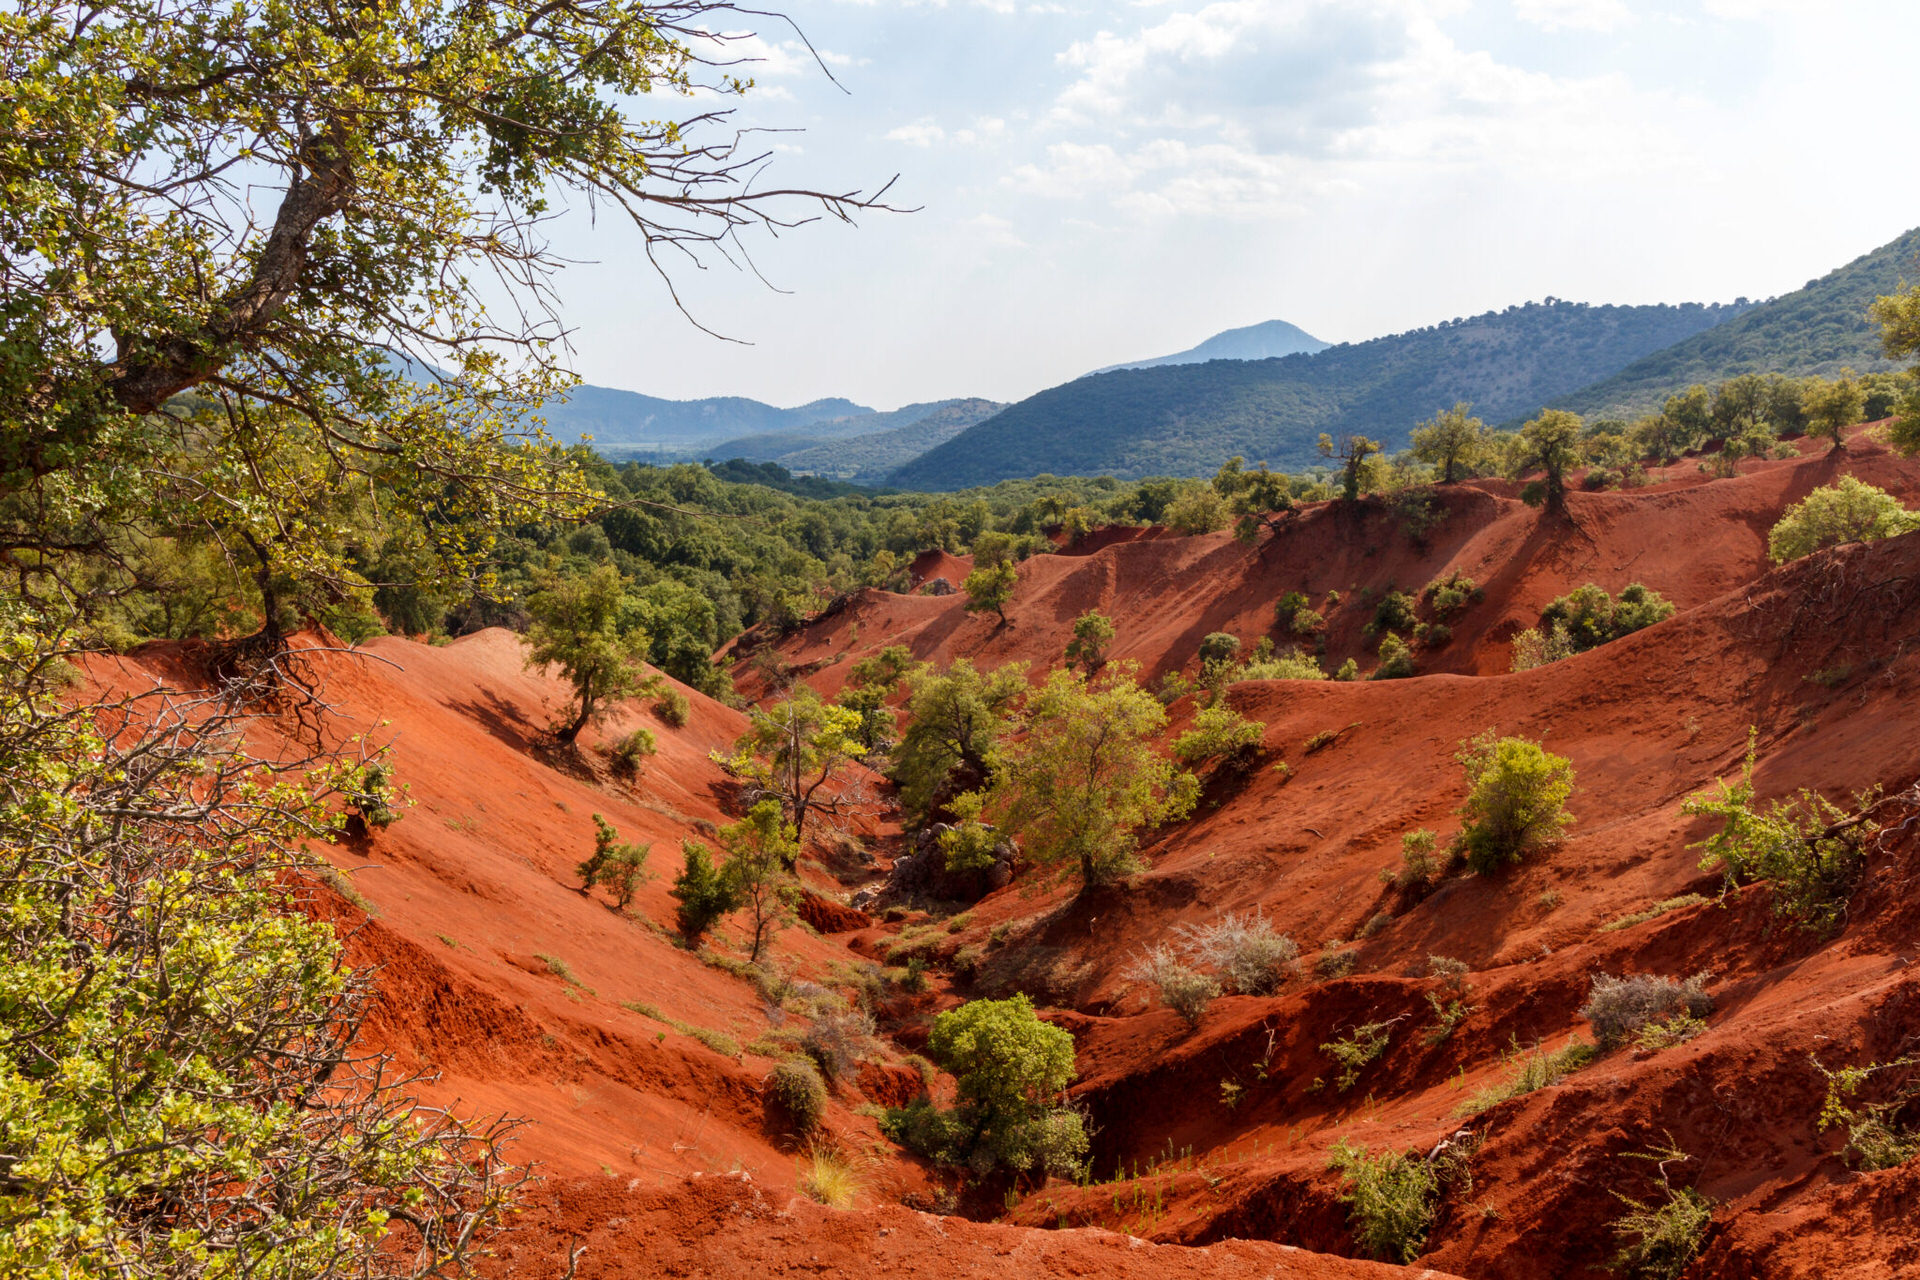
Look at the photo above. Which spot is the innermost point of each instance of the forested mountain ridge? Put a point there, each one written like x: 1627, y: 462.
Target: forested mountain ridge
x: 1183, y: 419
x: 869, y: 457
x: 613, y: 416
x: 1817, y: 329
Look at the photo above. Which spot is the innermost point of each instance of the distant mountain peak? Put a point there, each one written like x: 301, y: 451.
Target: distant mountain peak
x: 1264, y: 341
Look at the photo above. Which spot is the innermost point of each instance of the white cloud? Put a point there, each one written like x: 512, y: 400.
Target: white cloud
x: 922, y: 133
x: 1575, y: 15
x: 1244, y: 108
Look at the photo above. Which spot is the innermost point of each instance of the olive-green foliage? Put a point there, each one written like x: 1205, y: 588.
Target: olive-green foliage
x: 614, y: 864
x: 990, y: 588
x: 1898, y: 316
x: 1658, y: 1239
x: 1010, y: 1069
x: 956, y: 722
x: 704, y: 892
x: 1418, y: 860
x: 576, y: 628
x: 1395, y: 612
x: 1084, y: 779
x: 872, y: 681
x: 1517, y: 802
x: 1357, y: 1051
x: 1450, y: 442
x: 1551, y: 442
x: 1390, y: 1196
x: 672, y: 706
x: 1831, y: 406
x: 969, y: 844
x: 1533, y: 1069
x: 1092, y: 633
x: 1876, y: 1138
x: 796, y: 1088
x: 1537, y: 646
x: 1258, y: 498
x: 1198, y: 509
x: 760, y: 854
x: 1449, y: 595
x: 1848, y: 510
x: 793, y: 748
x: 1218, y: 733
x: 1293, y: 612
x: 1589, y: 617
x: 1288, y: 665
x: 630, y: 750
x: 1218, y: 648
x: 1396, y: 659
x: 1809, y: 849
x: 1354, y: 453
x: 170, y: 995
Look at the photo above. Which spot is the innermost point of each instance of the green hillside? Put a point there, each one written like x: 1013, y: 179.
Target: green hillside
x: 1184, y: 419
x: 869, y: 459
x: 1817, y: 329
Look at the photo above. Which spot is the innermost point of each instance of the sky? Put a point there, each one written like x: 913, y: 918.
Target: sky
x: 1100, y: 182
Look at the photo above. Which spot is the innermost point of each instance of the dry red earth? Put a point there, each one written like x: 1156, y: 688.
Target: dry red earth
x: 531, y: 997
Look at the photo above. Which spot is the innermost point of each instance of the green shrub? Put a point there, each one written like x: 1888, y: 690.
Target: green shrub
x: 1335, y: 962
x: 1517, y: 802
x: 1092, y: 633
x: 1199, y: 509
x: 969, y: 844
x: 1418, y: 860
x: 1219, y: 733
x: 619, y: 867
x: 1875, y: 1138
x: 1218, y: 649
x: 1449, y: 595
x: 1390, y: 1197
x: 1009, y: 1069
x: 1358, y: 1050
x: 1620, y: 1008
x: 1291, y: 665
x: 1809, y: 849
x: 1396, y: 659
x: 1184, y: 989
x: 630, y: 750
x: 672, y: 707
x: 1588, y: 617
x: 1349, y: 670
x: 1537, y: 646
x: 1658, y: 1240
x: 1845, y: 511
x: 1395, y: 612
x: 796, y: 1088
x: 705, y: 894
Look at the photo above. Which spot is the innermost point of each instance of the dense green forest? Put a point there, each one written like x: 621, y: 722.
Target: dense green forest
x: 1182, y: 419
x: 1818, y: 329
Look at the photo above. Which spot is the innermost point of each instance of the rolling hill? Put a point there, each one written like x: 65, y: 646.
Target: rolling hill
x: 1185, y: 419
x: 1816, y: 329
x: 867, y: 458
x: 612, y: 416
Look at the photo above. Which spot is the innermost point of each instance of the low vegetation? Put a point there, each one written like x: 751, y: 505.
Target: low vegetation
x: 1848, y: 510
x: 1623, y: 1009
x: 1390, y: 1196
x: 796, y: 1089
x: 1810, y: 850
x: 1660, y: 1238
x: 1517, y: 805
x: 1532, y: 1069
x: 1359, y: 1049
x: 1184, y: 989
x: 1010, y: 1069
